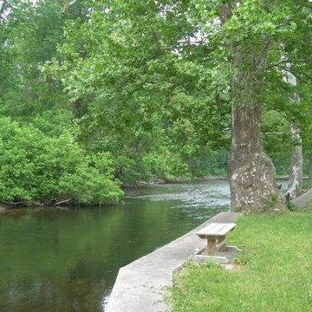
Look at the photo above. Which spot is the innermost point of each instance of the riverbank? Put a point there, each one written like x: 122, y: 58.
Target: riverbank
x: 178, y: 180
x: 6, y: 207
x: 66, y: 203
x: 271, y: 274
x: 141, y: 285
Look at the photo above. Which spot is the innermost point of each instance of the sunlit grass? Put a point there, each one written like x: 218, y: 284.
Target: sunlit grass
x: 273, y: 271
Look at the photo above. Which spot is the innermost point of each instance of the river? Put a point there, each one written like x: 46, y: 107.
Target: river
x: 67, y: 259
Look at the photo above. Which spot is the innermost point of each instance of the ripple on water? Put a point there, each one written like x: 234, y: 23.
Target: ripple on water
x: 192, y: 195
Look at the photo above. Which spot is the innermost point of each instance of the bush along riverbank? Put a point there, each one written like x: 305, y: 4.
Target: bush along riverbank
x: 272, y: 273
x: 38, y: 169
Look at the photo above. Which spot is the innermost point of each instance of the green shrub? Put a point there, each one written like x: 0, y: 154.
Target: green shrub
x: 160, y: 163
x: 91, y: 182
x: 165, y: 164
x: 35, y: 167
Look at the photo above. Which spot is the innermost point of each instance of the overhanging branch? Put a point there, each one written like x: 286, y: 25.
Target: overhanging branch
x: 285, y: 62
x: 68, y: 5
x: 2, y: 5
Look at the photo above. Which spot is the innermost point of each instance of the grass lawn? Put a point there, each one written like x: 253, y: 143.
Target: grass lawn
x: 274, y: 269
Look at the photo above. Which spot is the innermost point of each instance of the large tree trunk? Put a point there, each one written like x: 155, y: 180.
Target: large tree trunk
x: 295, y: 175
x: 252, y: 173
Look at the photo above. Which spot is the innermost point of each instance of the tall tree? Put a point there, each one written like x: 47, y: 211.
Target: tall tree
x: 33, y: 31
x: 136, y: 80
x: 252, y: 174
x: 295, y: 175
x: 296, y: 167
x: 255, y: 35
x: 134, y: 66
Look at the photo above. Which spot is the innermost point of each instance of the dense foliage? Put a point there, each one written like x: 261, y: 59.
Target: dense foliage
x: 141, y: 90
x: 51, y: 169
x: 141, y: 94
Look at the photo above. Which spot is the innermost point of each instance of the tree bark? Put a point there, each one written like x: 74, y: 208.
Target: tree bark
x: 295, y: 175
x: 252, y: 173
x: 310, y: 174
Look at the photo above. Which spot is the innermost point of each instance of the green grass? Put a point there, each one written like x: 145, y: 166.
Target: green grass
x: 274, y: 270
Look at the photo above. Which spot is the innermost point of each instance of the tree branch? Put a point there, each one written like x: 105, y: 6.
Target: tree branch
x: 284, y: 62
x: 308, y: 78
x: 68, y: 5
x: 225, y: 12
x: 66, y: 201
x: 2, y: 6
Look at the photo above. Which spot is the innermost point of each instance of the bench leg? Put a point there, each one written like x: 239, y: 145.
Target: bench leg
x: 221, y: 243
x: 211, y: 246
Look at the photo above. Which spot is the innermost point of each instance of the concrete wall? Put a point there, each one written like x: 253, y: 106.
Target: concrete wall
x: 141, y: 285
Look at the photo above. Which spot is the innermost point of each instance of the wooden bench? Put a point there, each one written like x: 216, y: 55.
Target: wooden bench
x: 215, y: 232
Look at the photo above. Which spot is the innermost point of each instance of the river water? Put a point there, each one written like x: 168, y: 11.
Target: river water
x: 68, y: 259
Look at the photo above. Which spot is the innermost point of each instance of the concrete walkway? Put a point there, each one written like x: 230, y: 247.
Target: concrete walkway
x: 139, y: 286
x: 303, y: 200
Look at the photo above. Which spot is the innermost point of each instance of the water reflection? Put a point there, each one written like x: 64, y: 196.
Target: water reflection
x: 67, y: 260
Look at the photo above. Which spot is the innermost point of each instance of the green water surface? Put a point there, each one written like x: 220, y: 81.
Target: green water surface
x: 68, y: 259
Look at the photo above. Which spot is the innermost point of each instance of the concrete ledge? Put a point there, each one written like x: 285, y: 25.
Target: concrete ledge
x: 139, y: 286
x: 303, y: 200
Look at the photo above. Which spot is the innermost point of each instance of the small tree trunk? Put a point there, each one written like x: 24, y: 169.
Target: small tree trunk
x: 310, y: 174
x: 295, y: 175
x: 252, y: 173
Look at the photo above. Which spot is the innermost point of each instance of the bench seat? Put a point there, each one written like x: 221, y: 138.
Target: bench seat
x: 215, y: 232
